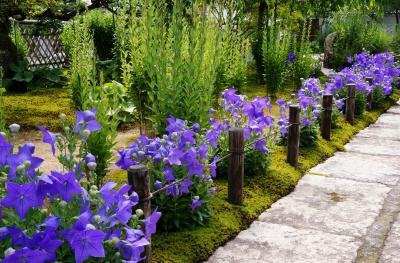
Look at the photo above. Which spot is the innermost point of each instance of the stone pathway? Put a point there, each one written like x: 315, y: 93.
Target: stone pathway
x: 343, y: 210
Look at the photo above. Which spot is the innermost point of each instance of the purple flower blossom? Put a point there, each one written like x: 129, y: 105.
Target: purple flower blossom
x: 88, y: 243
x: 48, y: 137
x: 157, y: 185
x: 26, y: 255
x: 291, y: 57
x: 151, y: 223
x: 90, y: 158
x: 185, y: 186
x: 5, y: 149
x: 23, y: 157
x: 21, y: 198
x: 175, y: 125
x: 66, y: 185
x: 196, y: 203
x: 86, y: 120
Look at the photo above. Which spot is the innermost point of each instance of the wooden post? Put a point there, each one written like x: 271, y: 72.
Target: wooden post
x: 294, y: 135
x: 139, y: 179
x: 350, y: 103
x: 236, y: 166
x: 370, y: 94
x: 326, y: 121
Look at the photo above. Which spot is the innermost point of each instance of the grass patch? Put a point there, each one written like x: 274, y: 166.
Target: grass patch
x: 195, y: 245
x: 38, y: 107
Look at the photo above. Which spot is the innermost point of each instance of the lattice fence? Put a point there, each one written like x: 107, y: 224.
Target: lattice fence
x: 44, y: 49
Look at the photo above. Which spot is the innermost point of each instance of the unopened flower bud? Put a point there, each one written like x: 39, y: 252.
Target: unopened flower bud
x: 134, y: 217
x: 21, y: 168
x: 117, y: 254
x: 90, y: 227
x: 67, y: 129
x: 196, y: 197
x: 174, y: 135
x: 139, y: 212
x: 141, y: 153
x: 94, y: 188
x: 63, y: 203
x: 93, y: 193
x: 62, y: 116
x: 97, y: 218
x: 86, y: 133
x: 165, y: 137
x: 115, y: 240
x: 92, y: 166
x: 27, y: 163
x: 163, y: 141
x: 9, y: 251
x: 14, y: 128
x: 43, y: 211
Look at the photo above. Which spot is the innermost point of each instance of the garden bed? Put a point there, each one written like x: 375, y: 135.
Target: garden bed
x: 260, y: 192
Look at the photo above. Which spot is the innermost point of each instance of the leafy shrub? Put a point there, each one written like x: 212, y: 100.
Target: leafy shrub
x: 309, y: 135
x: 360, y: 103
x: 377, y: 98
x: 175, y: 62
x: 101, y: 26
x: 19, y: 41
x: 357, y: 32
x: 396, y: 39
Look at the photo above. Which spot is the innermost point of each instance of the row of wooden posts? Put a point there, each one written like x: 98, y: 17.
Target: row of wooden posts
x: 139, y: 177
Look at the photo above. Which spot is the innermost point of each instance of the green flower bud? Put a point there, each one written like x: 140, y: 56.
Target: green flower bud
x: 27, y: 163
x: 139, y: 212
x: 14, y: 128
x: 63, y: 116
x: 97, y: 218
x: 86, y: 133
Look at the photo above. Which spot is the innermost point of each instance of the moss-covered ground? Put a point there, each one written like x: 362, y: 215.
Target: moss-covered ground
x: 227, y: 220
x: 38, y: 107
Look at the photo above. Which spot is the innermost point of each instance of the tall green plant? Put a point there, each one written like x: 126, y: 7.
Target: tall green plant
x: 276, y: 47
x: 83, y: 64
x: 2, y: 113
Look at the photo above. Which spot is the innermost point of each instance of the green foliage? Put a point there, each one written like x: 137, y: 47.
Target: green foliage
x: 396, y: 39
x: 177, y: 213
x: 377, y: 98
x: 2, y: 113
x: 100, y: 24
x: 335, y: 117
x: 361, y: 103
x: 234, y: 47
x: 22, y: 72
x: 276, y: 47
x: 170, y: 66
x: 82, y: 75
x: 19, y: 41
x: 357, y: 32
x: 309, y: 135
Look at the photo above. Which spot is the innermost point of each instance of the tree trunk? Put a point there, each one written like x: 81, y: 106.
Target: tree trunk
x: 257, y: 47
x: 8, y: 51
x: 397, y: 16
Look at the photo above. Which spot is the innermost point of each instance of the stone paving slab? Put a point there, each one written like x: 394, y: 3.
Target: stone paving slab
x: 394, y: 109
x: 374, y: 146
x: 330, y: 205
x: 388, y: 120
x: 391, y: 251
x: 272, y: 243
x: 377, y: 132
x: 361, y: 167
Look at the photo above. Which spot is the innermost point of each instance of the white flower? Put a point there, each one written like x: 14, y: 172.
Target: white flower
x: 14, y: 128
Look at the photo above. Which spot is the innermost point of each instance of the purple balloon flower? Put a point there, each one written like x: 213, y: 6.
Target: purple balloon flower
x: 48, y: 137
x: 26, y: 255
x: 196, y: 203
x: 291, y: 57
x: 5, y: 149
x: 86, y: 120
x: 151, y: 223
x: 185, y: 186
x: 90, y: 158
x: 88, y: 243
x: 21, y: 198
x: 23, y: 157
x: 66, y: 185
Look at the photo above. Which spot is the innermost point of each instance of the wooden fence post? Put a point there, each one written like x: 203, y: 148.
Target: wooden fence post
x: 236, y: 166
x: 139, y: 179
x: 294, y: 135
x: 350, y: 103
x: 326, y: 121
x: 369, y: 95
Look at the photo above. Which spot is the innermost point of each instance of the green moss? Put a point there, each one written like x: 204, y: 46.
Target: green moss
x: 38, y: 107
x: 260, y: 192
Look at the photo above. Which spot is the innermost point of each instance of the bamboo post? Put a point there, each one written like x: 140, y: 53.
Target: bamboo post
x: 236, y: 166
x: 350, y: 103
x: 326, y: 121
x: 293, y: 135
x: 139, y: 179
x: 370, y: 94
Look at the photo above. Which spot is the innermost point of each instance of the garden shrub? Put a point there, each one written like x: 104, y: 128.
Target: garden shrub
x: 357, y: 32
x: 176, y: 60
x: 100, y: 24
x: 309, y: 135
x: 377, y: 98
x: 360, y: 103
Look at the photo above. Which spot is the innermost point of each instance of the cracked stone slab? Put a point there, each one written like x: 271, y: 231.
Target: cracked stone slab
x: 395, y: 109
x: 272, y: 243
x: 388, y: 120
x: 330, y: 205
x: 391, y: 250
x: 361, y: 167
x: 374, y: 146
x: 380, y: 133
